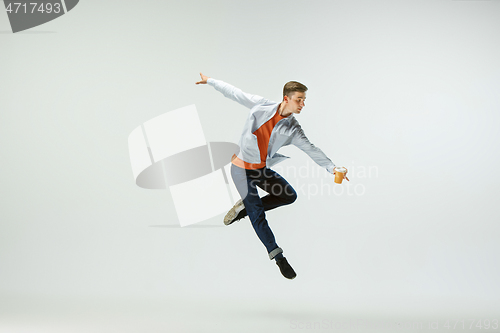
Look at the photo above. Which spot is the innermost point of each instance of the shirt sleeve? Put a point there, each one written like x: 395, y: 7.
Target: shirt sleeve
x: 236, y: 94
x: 300, y: 141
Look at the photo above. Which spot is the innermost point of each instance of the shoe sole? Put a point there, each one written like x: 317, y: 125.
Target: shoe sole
x: 233, y: 212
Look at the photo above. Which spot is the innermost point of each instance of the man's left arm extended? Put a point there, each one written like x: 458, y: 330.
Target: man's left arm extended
x: 302, y: 142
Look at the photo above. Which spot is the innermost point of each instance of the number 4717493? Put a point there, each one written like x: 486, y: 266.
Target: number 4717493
x: 470, y: 323
x: 35, y: 8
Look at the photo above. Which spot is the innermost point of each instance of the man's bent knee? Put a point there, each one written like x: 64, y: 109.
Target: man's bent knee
x: 291, y: 194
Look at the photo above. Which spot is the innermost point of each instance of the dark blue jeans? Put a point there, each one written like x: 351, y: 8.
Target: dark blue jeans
x: 280, y: 193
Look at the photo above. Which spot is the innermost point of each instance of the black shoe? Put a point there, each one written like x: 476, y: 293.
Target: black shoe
x: 285, y: 268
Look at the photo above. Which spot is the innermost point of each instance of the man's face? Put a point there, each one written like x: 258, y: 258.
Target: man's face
x: 296, y: 102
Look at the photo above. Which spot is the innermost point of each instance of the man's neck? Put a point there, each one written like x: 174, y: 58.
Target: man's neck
x: 282, y: 111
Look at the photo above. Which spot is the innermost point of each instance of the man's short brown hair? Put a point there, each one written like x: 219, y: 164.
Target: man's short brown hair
x: 293, y: 86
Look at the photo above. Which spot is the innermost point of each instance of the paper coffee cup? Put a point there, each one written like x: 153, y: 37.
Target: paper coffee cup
x: 340, y: 174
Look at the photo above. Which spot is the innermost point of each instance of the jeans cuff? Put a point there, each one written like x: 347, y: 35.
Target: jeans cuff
x: 274, y: 252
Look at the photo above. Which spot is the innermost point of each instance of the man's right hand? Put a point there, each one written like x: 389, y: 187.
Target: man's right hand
x: 203, y: 79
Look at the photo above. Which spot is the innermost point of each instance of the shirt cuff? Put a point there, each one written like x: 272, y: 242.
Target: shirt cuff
x: 330, y: 168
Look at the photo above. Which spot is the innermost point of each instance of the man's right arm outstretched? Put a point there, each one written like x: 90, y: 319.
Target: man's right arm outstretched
x: 232, y: 92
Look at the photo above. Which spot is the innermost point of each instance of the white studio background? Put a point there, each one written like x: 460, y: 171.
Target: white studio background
x: 403, y: 93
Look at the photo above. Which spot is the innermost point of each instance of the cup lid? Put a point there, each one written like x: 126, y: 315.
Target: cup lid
x: 340, y: 169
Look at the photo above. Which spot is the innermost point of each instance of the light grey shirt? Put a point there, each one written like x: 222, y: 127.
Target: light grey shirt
x: 287, y: 131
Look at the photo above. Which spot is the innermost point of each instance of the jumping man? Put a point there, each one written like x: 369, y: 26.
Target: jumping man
x: 269, y: 126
